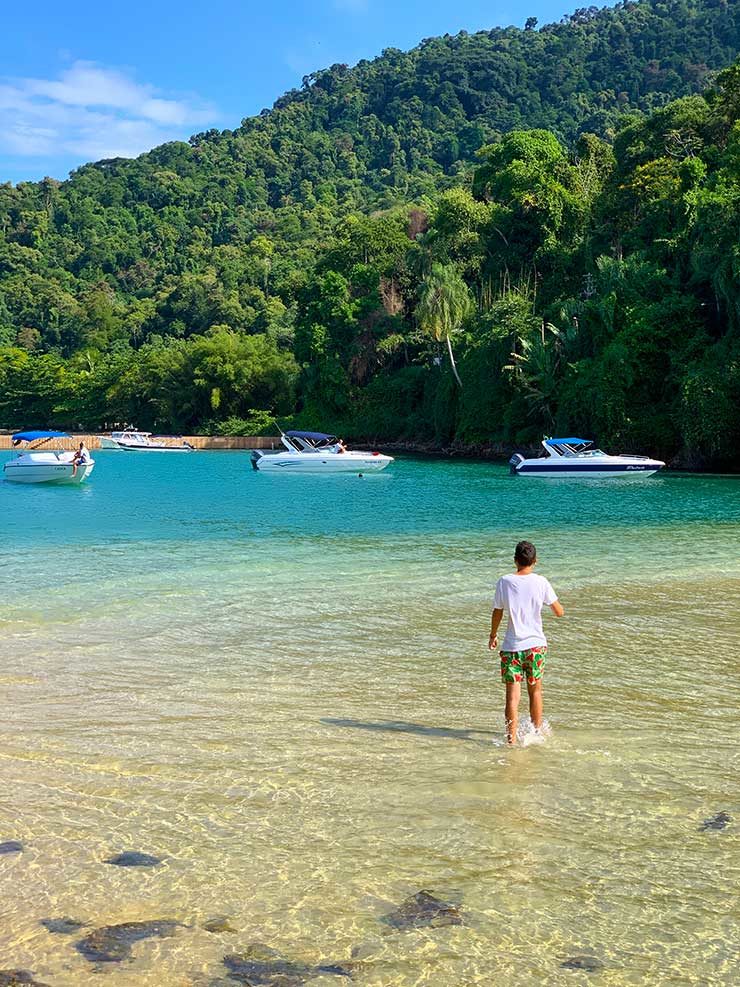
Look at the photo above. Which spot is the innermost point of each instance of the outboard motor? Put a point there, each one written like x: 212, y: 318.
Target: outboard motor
x: 515, y: 460
x: 255, y: 458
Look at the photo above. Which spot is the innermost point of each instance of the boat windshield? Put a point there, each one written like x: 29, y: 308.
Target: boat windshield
x: 309, y: 442
x: 571, y: 447
x: 131, y: 436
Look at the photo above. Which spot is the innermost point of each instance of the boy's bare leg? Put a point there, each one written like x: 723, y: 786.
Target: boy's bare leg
x: 535, y: 702
x: 511, y: 713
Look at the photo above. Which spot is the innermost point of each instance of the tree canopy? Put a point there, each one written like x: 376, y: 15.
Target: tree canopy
x: 575, y: 184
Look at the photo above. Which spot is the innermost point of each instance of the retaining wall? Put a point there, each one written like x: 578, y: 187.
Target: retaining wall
x: 199, y: 441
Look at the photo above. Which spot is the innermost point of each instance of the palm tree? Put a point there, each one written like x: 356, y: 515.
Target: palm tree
x: 536, y: 366
x: 444, y: 302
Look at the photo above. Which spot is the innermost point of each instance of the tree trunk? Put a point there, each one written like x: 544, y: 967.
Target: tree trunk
x: 452, y: 361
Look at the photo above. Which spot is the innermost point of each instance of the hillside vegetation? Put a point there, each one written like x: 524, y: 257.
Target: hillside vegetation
x: 488, y: 237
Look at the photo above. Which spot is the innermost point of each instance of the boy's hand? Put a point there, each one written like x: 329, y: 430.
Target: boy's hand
x: 493, y: 642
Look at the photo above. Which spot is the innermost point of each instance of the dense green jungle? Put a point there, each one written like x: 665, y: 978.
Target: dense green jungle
x: 490, y: 237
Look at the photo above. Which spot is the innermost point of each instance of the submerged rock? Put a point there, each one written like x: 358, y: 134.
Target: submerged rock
x: 62, y: 926
x: 423, y: 911
x: 11, y: 846
x: 14, y: 978
x: 260, y: 966
x: 588, y: 963
x: 219, y: 924
x: 718, y: 821
x: 133, y: 858
x: 112, y: 943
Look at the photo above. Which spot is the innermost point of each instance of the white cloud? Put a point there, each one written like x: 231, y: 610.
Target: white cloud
x: 92, y: 111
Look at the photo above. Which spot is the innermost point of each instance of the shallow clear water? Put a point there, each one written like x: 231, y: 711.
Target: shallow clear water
x: 280, y: 685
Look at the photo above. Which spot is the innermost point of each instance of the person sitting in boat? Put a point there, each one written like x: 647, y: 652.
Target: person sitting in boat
x: 80, y: 458
x: 341, y: 447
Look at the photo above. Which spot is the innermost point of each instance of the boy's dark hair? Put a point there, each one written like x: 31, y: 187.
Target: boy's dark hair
x: 525, y: 554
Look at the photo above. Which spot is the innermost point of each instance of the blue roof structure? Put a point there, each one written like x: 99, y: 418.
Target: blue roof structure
x: 33, y: 435
x: 571, y: 441
x: 313, y: 436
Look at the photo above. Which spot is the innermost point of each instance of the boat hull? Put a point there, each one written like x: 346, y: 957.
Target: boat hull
x: 57, y: 473
x: 572, y: 459
x: 315, y: 463
x: 586, y: 471
x: 589, y: 475
x: 153, y: 447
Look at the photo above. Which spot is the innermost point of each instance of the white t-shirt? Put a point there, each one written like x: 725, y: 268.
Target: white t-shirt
x: 523, y: 597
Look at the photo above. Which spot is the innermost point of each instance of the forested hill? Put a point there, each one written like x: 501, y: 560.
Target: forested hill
x: 538, y: 186
x: 389, y: 130
x: 431, y: 108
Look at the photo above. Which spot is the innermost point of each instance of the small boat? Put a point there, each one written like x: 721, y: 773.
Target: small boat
x: 316, y: 452
x: 131, y: 440
x: 572, y: 457
x: 34, y: 465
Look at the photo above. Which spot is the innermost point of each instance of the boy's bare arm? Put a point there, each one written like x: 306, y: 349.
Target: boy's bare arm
x: 557, y: 608
x: 496, y: 617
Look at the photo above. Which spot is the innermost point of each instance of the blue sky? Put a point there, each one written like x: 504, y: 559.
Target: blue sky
x: 88, y: 80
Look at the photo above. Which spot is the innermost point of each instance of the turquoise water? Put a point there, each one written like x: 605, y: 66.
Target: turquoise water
x: 280, y: 686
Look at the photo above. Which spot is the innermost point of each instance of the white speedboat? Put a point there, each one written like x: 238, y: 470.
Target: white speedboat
x: 132, y: 440
x: 573, y: 457
x: 34, y: 465
x: 315, y: 452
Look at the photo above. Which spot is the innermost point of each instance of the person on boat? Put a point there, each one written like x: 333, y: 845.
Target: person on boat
x: 522, y: 595
x: 341, y: 447
x: 81, y: 456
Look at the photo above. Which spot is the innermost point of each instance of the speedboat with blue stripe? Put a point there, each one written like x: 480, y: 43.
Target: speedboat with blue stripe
x: 317, y: 452
x: 572, y: 457
x: 35, y: 464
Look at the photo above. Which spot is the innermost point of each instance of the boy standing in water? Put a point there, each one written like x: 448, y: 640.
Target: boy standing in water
x: 523, y: 595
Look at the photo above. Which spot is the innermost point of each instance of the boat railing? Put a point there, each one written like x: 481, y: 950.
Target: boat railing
x: 304, y: 446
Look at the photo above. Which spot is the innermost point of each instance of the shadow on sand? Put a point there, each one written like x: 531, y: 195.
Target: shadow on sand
x: 403, y: 726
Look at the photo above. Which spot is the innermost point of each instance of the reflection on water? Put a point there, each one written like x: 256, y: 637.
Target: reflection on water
x: 283, y: 691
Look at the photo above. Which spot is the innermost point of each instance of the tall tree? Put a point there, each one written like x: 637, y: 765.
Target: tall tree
x: 444, y: 303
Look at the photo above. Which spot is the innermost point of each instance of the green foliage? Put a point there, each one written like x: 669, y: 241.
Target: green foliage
x: 165, y: 384
x: 444, y: 304
x: 562, y: 201
x: 710, y: 410
x: 256, y: 422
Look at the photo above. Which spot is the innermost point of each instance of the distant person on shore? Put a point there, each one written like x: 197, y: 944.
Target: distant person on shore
x: 81, y: 456
x: 522, y: 595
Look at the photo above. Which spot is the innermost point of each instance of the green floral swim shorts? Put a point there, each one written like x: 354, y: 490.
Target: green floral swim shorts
x: 516, y: 664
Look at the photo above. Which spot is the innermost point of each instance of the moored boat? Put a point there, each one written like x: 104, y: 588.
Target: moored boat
x: 316, y: 452
x: 132, y: 440
x: 578, y: 458
x: 36, y: 465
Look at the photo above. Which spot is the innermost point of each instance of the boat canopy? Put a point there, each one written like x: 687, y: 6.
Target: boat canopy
x: 312, y: 436
x: 570, y: 441
x: 33, y: 436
